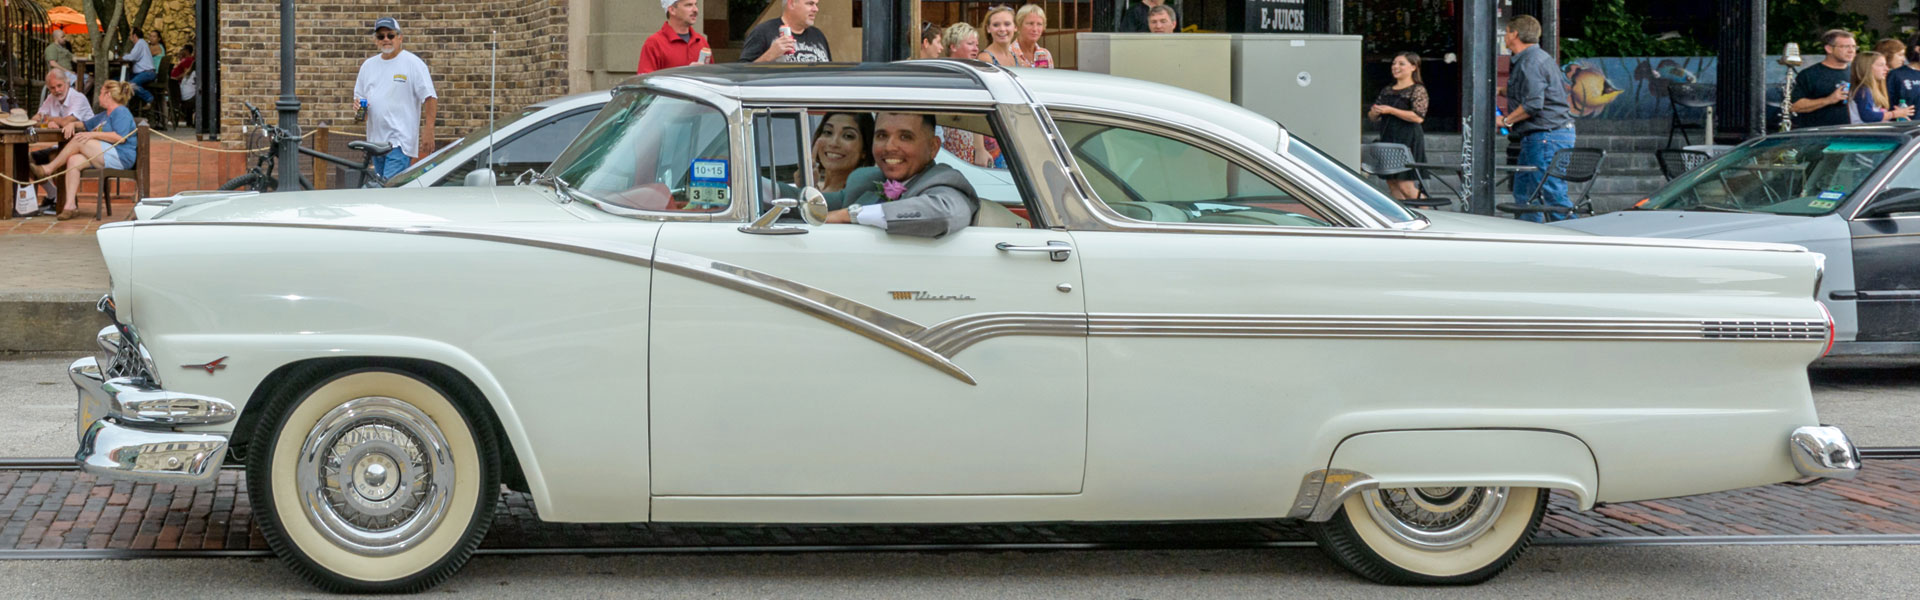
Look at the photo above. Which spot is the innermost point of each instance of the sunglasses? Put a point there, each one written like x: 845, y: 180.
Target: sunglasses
x: 385, y: 36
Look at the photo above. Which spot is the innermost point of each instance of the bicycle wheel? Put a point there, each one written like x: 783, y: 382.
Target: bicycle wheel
x: 251, y: 181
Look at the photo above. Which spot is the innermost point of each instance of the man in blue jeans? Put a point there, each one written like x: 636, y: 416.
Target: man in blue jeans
x: 1537, y: 92
x: 140, y: 61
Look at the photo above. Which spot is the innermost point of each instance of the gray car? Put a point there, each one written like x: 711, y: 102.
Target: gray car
x: 526, y: 141
x: 1849, y: 192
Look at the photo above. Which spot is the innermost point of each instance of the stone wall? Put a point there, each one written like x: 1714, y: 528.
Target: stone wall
x: 450, y: 35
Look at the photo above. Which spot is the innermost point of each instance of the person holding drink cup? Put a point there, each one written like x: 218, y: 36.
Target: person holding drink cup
x: 791, y: 37
x: 1821, y: 91
x: 676, y: 44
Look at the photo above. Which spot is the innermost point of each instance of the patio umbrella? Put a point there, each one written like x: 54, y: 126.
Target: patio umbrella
x: 68, y: 20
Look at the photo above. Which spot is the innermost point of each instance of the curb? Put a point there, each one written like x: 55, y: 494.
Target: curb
x: 49, y: 321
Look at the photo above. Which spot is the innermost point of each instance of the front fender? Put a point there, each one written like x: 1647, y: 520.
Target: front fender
x: 255, y: 357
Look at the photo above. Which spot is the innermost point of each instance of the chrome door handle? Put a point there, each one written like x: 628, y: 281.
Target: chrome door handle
x: 1057, y: 251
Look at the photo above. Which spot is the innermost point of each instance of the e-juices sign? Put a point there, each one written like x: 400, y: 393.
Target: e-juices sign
x: 1276, y: 16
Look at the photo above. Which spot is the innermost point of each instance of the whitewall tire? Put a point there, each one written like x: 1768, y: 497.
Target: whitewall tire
x: 373, y: 480
x: 1432, y: 536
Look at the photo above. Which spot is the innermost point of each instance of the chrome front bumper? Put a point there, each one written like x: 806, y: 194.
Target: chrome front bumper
x: 1823, y: 452
x: 127, y: 425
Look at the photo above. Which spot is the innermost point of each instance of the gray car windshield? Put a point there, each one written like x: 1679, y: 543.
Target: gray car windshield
x: 1807, y: 175
x: 1348, y: 180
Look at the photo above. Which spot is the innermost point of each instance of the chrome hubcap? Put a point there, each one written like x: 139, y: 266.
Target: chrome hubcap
x: 1436, y: 518
x: 375, y: 476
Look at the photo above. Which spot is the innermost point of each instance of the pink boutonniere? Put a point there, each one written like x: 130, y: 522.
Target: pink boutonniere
x: 893, y: 189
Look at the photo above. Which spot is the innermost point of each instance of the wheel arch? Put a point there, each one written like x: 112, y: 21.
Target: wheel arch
x: 1449, y: 457
x: 517, y: 470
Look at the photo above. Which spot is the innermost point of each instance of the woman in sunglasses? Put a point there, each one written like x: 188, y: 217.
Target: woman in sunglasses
x: 1000, y: 33
x: 931, y: 45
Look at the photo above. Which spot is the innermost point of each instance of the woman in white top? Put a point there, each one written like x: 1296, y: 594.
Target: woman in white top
x: 1033, y: 23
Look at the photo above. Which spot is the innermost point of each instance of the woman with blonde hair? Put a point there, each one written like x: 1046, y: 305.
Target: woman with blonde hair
x: 1001, y: 48
x: 106, y: 141
x: 1869, y: 78
x: 1033, y: 22
x: 962, y: 41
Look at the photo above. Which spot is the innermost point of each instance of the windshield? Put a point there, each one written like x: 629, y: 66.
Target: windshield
x: 1791, y: 175
x: 652, y: 152
x: 420, y: 167
x: 1347, y: 180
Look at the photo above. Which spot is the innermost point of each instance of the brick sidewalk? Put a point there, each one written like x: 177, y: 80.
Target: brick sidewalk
x: 66, y: 509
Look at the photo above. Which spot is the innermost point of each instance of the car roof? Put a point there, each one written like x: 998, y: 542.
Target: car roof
x: 908, y: 75
x: 1906, y: 128
x: 601, y: 97
x: 1062, y: 88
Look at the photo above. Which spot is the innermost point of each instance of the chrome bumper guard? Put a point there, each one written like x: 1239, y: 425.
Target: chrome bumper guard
x: 1824, y: 452
x: 126, y: 426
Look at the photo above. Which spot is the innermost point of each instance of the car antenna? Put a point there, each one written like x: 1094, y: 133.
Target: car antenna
x: 493, y: 89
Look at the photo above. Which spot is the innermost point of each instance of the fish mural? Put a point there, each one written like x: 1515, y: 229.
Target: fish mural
x: 1589, y: 91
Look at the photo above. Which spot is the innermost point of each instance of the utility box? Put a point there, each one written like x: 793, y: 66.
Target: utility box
x: 1309, y: 83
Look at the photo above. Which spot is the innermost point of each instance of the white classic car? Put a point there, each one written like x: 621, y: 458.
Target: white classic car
x: 1189, y: 314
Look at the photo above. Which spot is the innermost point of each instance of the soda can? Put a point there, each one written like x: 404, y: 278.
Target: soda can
x: 706, y: 56
x: 787, y: 32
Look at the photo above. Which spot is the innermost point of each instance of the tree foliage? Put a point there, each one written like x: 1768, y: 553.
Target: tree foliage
x: 1613, y: 30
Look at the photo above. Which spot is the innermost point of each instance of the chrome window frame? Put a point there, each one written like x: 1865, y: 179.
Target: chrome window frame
x: 1097, y: 216
x: 803, y: 137
x: 1007, y: 119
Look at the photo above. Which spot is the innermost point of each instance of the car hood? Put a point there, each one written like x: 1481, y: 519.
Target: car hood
x: 1754, y: 227
x: 1453, y: 222
x: 398, y: 206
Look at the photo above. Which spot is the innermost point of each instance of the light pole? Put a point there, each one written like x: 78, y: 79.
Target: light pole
x: 288, y: 105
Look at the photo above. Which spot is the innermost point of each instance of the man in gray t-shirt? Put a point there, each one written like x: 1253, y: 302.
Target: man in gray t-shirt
x: 1537, y: 93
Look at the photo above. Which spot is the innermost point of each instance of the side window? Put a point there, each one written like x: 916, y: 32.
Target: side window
x: 653, y: 152
x: 777, y: 151
x: 840, y: 145
x: 1149, y: 177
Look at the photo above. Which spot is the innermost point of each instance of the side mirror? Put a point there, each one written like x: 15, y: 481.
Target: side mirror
x: 765, y: 224
x: 1898, y: 200
x: 480, y: 178
x: 813, y: 206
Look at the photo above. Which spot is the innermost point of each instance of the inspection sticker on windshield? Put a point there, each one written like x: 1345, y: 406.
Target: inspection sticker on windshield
x: 1832, y: 195
x: 1823, y: 204
x: 709, y: 172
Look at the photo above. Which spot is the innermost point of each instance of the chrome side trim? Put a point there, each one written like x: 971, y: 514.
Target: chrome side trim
x: 1823, y: 452
x: 1323, y: 491
x: 954, y: 335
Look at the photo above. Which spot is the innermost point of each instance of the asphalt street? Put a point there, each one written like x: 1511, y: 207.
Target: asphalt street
x: 1560, y: 573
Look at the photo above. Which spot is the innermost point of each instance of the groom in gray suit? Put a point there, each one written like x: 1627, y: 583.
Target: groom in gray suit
x: 908, y: 194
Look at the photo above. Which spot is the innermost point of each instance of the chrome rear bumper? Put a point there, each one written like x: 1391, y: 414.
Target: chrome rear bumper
x: 127, y: 426
x: 1823, y: 452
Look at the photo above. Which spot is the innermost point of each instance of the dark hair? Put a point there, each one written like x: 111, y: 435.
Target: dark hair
x: 139, y: 34
x: 1526, y: 27
x: 862, y: 121
x: 1412, y: 59
x: 930, y: 31
x: 1833, y: 36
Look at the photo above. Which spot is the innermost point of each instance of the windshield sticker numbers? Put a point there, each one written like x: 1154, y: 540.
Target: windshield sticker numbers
x: 1822, y: 204
x: 1832, y: 195
x: 709, y: 185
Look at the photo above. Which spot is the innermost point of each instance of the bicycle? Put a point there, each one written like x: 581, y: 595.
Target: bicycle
x: 260, y: 177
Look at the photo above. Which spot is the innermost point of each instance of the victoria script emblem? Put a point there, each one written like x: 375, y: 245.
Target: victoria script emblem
x: 925, y: 296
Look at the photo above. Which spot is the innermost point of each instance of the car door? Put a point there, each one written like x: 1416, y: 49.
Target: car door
x: 840, y: 360
x: 1886, y: 280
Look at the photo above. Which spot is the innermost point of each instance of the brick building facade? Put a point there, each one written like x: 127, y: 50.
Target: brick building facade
x: 450, y: 35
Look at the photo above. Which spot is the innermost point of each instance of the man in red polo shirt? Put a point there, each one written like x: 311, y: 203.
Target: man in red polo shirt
x: 676, y: 44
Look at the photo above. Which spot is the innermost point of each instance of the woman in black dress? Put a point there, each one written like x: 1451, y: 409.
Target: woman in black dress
x: 1400, y: 110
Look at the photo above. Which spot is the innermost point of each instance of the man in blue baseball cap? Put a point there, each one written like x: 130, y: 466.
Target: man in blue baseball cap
x: 398, y: 92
